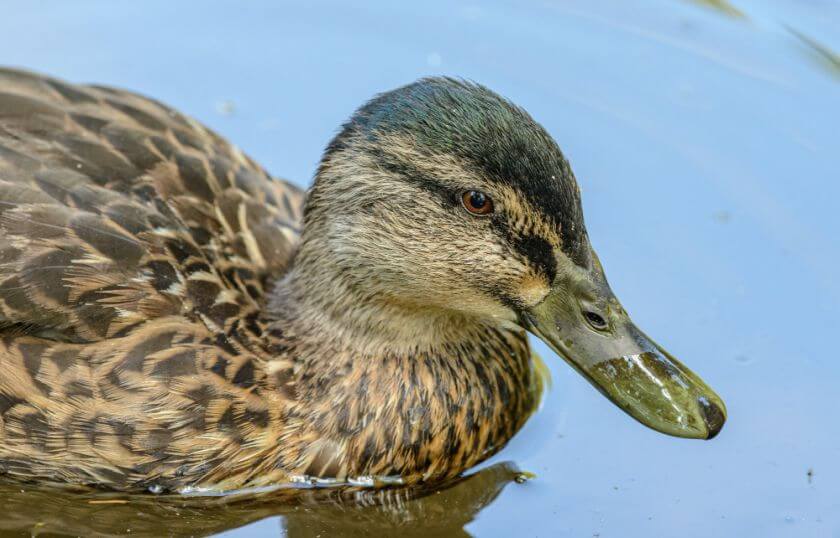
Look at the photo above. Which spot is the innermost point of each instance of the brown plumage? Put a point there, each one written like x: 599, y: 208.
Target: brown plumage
x: 136, y: 251
x: 173, y: 318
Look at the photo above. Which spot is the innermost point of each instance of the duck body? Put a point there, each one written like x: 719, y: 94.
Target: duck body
x: 172, y: 318
x: 137, y: 255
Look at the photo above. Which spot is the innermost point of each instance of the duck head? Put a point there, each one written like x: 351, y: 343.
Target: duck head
x: 443, y: 197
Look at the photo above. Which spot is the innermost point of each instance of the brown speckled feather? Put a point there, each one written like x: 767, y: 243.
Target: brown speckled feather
x: 165, y: 323
x: 135, y: 249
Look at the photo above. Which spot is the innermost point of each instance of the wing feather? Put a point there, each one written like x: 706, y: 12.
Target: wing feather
x: 115, y: 209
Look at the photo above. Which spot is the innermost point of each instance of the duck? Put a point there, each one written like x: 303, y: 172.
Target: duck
x: 173, y: 318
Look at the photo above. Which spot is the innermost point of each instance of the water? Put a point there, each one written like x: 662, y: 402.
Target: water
x: 705, y: 137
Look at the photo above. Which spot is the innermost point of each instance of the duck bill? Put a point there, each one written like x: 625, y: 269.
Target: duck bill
x: 629, y: 368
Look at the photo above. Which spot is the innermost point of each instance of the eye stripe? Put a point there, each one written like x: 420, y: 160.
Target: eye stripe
x: 416, y: 177
x: 539, y: 253
x: 537, y: 250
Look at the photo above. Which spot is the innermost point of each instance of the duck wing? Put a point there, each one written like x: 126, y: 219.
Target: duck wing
x: 136, y: 246
x: 116, y: 209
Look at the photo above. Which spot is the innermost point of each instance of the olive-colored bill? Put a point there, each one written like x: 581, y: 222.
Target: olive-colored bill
x: 628, y: 367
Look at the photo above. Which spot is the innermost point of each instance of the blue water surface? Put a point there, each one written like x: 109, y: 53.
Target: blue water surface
x: 706, y: 138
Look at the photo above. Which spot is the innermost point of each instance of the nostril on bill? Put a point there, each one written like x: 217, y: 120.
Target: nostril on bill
x: 713, y: 416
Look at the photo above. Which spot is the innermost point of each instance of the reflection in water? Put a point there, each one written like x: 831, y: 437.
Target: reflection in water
x: 441, y: 511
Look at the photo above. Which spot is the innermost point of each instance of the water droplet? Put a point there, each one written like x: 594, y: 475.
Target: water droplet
x: 523, y: 477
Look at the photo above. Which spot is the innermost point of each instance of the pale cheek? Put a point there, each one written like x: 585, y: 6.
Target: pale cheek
x: 533, y: 289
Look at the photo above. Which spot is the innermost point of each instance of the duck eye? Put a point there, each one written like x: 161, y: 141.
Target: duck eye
x: 596, y: 320
x: 477, y: 202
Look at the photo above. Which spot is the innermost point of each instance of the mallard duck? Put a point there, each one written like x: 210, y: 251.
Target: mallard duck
x: 173, y: 318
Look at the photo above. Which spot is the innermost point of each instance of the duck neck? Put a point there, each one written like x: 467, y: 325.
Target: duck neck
x: 379, y: 390
x: 378, y: 387
x: 317, y: 301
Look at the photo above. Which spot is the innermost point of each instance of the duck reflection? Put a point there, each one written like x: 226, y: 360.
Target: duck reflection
x: 439, y: 511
